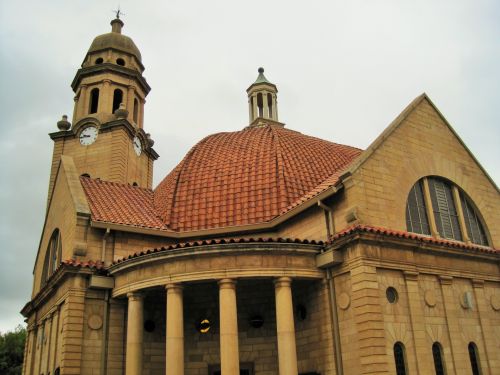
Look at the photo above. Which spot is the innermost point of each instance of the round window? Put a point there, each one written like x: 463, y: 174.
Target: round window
x: 120, y: 62
x: 203, y: 325
x: 99, y: 60
x: 391, y: 294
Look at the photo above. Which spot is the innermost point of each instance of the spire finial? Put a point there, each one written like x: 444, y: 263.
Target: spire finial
x: 117, y: 23
x: 261, y: 70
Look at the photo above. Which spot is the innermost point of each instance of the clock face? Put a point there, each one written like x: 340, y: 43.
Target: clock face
x: 88, y: 136
x: 137, y: 145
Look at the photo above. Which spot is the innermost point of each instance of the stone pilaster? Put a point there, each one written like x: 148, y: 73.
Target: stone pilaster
x: 369, y: 320
x: 488, y: 329
x: 423, y: 351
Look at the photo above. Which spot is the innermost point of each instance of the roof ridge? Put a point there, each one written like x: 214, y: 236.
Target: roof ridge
x: 106, y: 182
x: 280, y: 171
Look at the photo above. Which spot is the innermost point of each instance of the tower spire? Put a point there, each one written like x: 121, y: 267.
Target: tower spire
x: 262, y: 98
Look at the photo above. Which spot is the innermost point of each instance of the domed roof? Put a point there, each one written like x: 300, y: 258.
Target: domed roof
x: 115, y: 40
x: 246, y: 177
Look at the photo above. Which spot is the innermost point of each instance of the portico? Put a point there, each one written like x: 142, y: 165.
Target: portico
x: 230, y: 306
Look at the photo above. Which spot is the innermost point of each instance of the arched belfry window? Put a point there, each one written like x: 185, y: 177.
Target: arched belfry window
x: 94, y: 100
x: 437, y: 354
x: 52, y: 256
x: 117, y: 99
x: 270, y: 105
x: 474, y: 359
x: 400, y: 358
x: 434, y: 202
x: 136, y: 110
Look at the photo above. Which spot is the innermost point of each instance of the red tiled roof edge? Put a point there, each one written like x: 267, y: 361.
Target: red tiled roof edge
x: 90, y: 264
x: 219, y: 241
x: 361, y: 228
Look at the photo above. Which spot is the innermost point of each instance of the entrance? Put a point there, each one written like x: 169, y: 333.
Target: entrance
x: 245, y: 369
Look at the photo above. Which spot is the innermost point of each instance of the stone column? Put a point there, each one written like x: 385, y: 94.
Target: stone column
x: 229, y: 352
x: 175, y: 330
x: 287, y: 351
x: 135, y: 321
x: 265, y: 106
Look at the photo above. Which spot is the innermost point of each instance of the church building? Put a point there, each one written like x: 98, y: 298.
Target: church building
x: 264, y: 251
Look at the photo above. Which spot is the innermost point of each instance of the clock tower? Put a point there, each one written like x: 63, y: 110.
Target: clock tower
x: 106, y: 138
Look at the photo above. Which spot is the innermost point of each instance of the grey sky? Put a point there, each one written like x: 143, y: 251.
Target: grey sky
x: 344, y: 70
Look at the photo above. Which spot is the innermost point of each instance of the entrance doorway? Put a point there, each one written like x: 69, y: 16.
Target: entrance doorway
x: 245, y: 369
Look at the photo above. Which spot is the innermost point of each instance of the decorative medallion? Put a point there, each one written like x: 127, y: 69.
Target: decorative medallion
x: 495, y: 302
x: 430, y: 298
x: 344, y: 301
x: 95, y: 322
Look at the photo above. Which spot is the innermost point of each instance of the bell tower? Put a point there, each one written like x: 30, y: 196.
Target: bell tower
x: 106, y: 138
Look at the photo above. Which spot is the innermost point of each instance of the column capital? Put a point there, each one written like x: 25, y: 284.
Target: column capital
x: 174, y: 287
x: 227, y: 283
x: 446, y: 280
x: 283, y: 281
x: 135, y: 296
x: 478, y: 283
x: 411, y: 275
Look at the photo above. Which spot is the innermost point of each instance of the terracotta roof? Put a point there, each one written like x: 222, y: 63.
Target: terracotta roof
x: 221, y: 241
x: 120, y: 204
x: 247, y: 177
x: 414, y: 236
x: 94, y: 265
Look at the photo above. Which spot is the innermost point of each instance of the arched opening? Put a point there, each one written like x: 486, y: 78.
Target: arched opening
x: 99, y: 60
x: 260, y: 105
x: 85, y: 175
x: 136, y: 110
x: 120, y: 61
x: 437, y: 354
x: 117, y: 99
x: 270, y: 105
x: 474, y: 359
x: 416, y: 212
x: 399, y: 358
x: 53, y: 256
x: 94, y: 100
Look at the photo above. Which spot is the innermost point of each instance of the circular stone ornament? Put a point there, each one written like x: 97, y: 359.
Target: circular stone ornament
x: 344, y: 301
x: 430, y: 298
x: 95, y: 322
x: 495, y: 302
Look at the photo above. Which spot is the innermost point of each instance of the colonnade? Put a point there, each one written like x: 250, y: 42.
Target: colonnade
x: 228, y: 320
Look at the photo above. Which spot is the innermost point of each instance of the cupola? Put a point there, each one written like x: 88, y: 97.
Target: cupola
x: 111, y: 80
x: 262, y: 99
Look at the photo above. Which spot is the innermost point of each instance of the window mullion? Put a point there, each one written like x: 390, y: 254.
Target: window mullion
x: 460, y: 213
x: 428, y: 207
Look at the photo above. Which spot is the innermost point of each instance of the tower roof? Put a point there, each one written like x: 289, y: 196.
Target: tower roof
x: 261, y: 79
x: 115, y: 40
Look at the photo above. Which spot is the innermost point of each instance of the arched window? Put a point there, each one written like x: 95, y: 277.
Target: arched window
x: 260, y: 105
x: 444, y: 204
x: 94, y: 100
x: 474, y: 359
x: 136, y: 110
x: 270, y: 105
x: 117, y: 99
x: 52, y: 256
x: 437, y: 353
x: 399, y: 358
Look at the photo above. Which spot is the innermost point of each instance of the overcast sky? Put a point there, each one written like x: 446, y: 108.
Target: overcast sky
x: 344, y: 70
